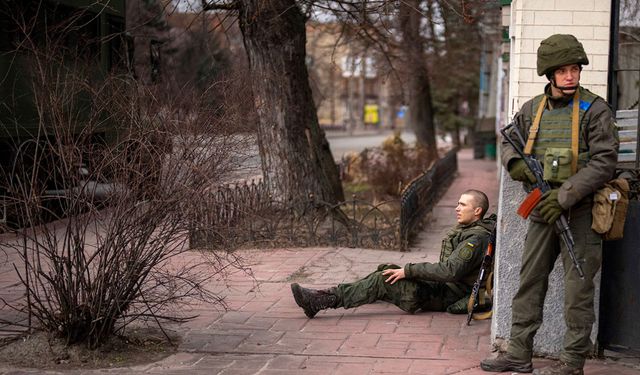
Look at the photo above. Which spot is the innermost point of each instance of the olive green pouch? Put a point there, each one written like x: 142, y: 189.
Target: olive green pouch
x: 557, y: 164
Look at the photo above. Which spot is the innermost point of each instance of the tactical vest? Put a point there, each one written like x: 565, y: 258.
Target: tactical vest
x: 555, y: 127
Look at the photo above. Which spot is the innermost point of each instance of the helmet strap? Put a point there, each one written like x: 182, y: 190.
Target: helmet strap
x: 552, y: 79
x: 563, y: 88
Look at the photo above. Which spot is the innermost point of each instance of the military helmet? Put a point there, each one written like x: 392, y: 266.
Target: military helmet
x: 559, y: 50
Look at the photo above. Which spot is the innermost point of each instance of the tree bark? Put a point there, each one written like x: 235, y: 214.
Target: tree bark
x: 421, y: 114
x: 296, y: 158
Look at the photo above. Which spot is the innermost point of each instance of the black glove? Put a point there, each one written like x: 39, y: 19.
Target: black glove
x: 519, y: 171
x: 550, y: 207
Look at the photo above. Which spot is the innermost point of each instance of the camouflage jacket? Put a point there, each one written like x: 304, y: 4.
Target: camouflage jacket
x: 460, y: 256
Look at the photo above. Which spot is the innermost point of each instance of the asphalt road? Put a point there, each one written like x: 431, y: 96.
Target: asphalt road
x: 343, y: 143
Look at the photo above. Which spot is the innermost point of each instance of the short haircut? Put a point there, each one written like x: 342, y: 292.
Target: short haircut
x: 480, y: 200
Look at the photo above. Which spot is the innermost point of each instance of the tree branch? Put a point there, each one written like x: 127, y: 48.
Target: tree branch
x: 206, y: 5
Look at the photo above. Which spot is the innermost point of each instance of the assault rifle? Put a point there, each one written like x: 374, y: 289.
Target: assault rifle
x: 487, y: 261
x: 537, y: 190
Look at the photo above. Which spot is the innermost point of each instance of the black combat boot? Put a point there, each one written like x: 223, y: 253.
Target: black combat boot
x: 559, y: 368
x: 312, y: 300
x: 504, y: 362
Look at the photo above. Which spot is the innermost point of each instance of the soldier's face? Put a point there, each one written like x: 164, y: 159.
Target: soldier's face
x: 566, y: 76
x: 466, y: 212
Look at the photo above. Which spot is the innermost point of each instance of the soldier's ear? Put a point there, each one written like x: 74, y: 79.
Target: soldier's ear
x: 477, y: 211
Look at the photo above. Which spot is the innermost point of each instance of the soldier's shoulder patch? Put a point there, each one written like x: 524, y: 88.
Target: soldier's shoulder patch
x: 466, y: 253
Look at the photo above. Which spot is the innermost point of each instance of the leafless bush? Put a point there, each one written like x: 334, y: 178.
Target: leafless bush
x: 102, y: 191
x: 388, y: 169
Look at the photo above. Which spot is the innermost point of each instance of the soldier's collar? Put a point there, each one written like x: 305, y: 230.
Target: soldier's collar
x: 462, y: 226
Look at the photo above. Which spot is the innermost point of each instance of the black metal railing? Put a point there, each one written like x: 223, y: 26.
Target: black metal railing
x: 421, y: 194
x: 246, y: 215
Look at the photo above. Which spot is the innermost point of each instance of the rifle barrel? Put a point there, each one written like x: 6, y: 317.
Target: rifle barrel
x: 562, y: 228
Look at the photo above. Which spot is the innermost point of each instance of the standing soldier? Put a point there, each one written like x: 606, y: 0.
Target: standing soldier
x: 442, y: 286
x: 572, y: 131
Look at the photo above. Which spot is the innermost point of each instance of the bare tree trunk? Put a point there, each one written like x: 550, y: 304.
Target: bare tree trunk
x: 361, y: 93
x: 296, y: 158
x: 332, y: 96
x: 433, y: 43
x: 420, y: 116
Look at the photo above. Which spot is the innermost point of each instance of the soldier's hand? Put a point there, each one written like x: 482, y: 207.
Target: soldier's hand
x: 519, y: 171
x: 550, y: 207
x: 394, y: 275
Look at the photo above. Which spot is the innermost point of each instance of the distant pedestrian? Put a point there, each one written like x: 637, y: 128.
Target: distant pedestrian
x: 572, y: 131
x: 442, y: 286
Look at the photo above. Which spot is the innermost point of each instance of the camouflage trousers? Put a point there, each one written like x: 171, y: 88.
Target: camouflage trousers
x: 408, y: 295
x: 542, y: 248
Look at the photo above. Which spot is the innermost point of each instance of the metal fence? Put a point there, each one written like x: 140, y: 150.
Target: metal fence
x: 421, y: 194
x: 246, y: 215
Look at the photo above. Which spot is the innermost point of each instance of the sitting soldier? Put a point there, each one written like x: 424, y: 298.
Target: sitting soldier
x: 442, y: 286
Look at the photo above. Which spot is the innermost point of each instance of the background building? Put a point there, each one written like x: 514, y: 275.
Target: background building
x: 347, y: 77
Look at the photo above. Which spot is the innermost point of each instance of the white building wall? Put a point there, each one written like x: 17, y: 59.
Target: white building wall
x: 534, y: 20
x: 531, y: 21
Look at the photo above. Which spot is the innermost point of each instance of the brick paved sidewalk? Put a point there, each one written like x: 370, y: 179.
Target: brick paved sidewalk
x: 264, y: 332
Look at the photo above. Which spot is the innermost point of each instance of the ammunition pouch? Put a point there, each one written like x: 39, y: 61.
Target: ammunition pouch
x: 557, y: 165
x: 609, y: 209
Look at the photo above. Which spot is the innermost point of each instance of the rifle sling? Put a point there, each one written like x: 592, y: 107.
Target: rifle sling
x: 483, y: 315
x: 483, y: 295
x: 533, y: 131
